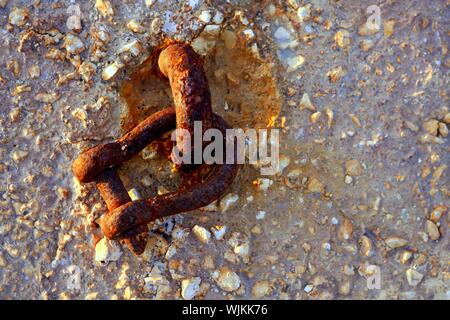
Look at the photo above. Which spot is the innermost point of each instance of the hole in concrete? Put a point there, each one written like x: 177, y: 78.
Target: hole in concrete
x: 243, y: 91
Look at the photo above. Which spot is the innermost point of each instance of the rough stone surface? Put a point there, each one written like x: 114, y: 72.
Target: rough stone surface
x: 338, y: 88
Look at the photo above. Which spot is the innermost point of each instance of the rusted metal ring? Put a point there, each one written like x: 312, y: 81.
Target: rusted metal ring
x: 124, y: 216
x: 93, y: 161
x: 128, y: 219
x: 141, y: 212
x: 115, y: 195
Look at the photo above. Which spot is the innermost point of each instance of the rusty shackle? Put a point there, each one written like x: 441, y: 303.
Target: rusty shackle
x: 126, y: 219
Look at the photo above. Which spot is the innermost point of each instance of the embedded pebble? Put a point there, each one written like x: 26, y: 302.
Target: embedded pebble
x: 437, y: 213
x: 447, y: 118
x: 107, y: 251
x: 47, y: 97
x: 190, y: 287
x: 135, y: 26
x: 304, y: 12
x: 345, y: 230
x: 228, y: 201
x: 104, y: 7
x: 345, y: 287
x: 74, y: 20
x: 443, y: 129
x: 433, y: 230
x: 213, y: 31
x: 282, y: 34
x: 263, y: 183
x: 336, y: 74
x: 261, y: 289
x: 213, y: 206
x: 366, y: 246
x: 248, y: 34
x: 315, y: 117
x: 227, y: 280
x: 414, y: 277
x: 18, y: 16
x: 368, y: 29
x: 110, y: 71
x: 260, y: 215
x: 388, y: 28
x: 218, y: 17
x: 295, y: 62
x: 132, y: 47
x: 73, y: 44
x: 219, y: 232
x: 34, y: 71
x: 283, y: 163
x: 149, y: 3
x: 366, y: 44
x: 305, y: 103
x: 353, y: 168
x: 87, y: 70
x: 19, y: 155
x: 395, y: 242
x: 308, y: 288
x: 431, y: 126
x: 342, y: 38
x: 241, y: 246
x: 315, y: 186
x: 205, y: 16
x: 405, y: 256
x: 202, y: 234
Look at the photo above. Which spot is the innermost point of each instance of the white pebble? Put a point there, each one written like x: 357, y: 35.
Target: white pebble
x: 249, y: 34
x: 283, y: 163
x: 205, y: 16
x: 202, y: 234
x: 133, y: 47
x: 218, y: 17
x: 295, y: 62
x: 282, y: 34
x: 260, y: 215
x: 110, y: 71
x: 134, y: 194
x: 228, y: 280
x: 190, y: 287
x: 212, y: 30
x: 263, y: 183
x: 106, y: 251
x: 303, y: 12
x: 219, y: 232
x: 227, y: 201
x: 308, y: 288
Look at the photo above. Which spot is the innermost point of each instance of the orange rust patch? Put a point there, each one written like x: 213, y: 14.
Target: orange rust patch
x: 236, y: 78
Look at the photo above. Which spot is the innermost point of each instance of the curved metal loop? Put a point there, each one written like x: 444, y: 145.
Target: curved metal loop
x: 127, y: 219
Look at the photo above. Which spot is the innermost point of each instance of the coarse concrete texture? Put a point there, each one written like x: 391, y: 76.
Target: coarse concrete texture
x: 358, y: 209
